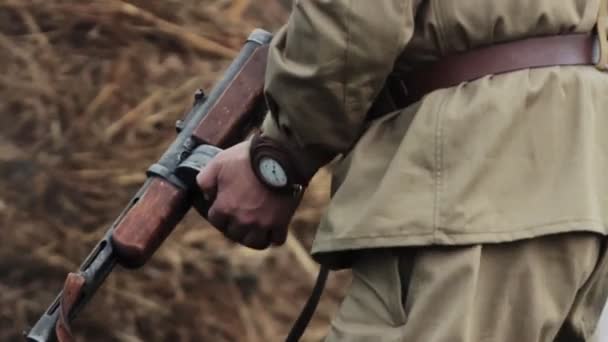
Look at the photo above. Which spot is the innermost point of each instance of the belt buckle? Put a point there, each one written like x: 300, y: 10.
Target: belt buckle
x: 602, y: 39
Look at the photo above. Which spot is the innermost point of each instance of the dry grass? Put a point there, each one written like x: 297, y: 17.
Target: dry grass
x: 89, y: 92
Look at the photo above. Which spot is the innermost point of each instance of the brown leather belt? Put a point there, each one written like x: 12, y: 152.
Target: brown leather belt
x: 572, y: 49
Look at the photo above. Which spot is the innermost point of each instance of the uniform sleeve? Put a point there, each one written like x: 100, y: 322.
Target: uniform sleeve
x: 325, y: 67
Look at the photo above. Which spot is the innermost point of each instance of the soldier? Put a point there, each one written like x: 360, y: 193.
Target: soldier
x: 475, y: 211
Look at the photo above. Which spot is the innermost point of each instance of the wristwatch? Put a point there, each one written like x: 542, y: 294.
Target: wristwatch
x: 274, y: 166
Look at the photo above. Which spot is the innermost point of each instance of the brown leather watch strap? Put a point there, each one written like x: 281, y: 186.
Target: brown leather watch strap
x: 571, y: 49
x: 264, y: 147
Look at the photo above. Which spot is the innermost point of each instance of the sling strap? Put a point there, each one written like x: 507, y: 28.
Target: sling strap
x: 299, y: 326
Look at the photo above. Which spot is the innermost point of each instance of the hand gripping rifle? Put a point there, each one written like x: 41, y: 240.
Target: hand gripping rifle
x: 225, y: 117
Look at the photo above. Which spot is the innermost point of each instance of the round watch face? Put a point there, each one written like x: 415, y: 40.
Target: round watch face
x: 273, y: 172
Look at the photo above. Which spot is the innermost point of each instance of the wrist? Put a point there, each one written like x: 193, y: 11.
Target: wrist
x: 308, y: 159
x: 275, y: 166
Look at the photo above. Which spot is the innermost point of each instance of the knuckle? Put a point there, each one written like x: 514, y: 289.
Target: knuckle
x: 223, y: 211
x: 223, y: 208
x: 247, y: 221
x: 212, y: 213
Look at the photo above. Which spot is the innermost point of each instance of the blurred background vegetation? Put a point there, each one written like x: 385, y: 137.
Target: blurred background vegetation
x: 89, y: 93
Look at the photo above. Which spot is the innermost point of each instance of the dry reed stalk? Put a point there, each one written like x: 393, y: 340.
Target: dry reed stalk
x: 34, y: 29
x: 132, y: 115
x: 302, y: 256
x: 141, y: 301
x: 70, y: 70
x: 267, y: 325
x: 107, y: 91
x: 245, y: 314
x: 237, y: 8
x: 174, y: 31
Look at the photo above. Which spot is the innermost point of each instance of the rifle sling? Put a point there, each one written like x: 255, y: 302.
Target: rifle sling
x: 297, y: 330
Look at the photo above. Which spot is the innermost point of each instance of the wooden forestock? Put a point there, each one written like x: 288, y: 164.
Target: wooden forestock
x: 148, y: 223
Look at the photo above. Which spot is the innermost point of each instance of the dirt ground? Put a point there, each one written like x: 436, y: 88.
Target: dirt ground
x: 89, y: 93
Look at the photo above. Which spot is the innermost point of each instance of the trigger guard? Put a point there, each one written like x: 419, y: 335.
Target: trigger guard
x: 187, y: 170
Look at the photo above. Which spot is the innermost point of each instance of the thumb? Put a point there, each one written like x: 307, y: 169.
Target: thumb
x: 207, y: 179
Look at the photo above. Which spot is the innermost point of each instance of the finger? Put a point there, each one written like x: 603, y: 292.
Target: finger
x: 207, y: 179
x: 236, y: 232
x: 257, y: 239
x: 278, y: 236
x: 218, y: 218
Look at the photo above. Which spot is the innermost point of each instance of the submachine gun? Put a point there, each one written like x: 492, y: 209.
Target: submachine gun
x: 223, y: 118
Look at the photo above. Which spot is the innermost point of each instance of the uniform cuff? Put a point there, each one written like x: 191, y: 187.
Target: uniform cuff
x: 308, y: 162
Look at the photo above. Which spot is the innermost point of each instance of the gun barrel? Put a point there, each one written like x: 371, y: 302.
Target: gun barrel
x: 94, y: 270
x: 44, y: 329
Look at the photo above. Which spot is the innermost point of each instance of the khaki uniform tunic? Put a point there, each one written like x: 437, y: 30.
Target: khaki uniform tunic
x: 502, y: 158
